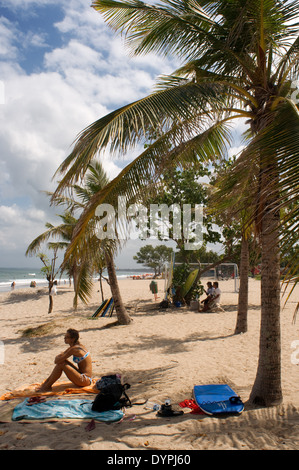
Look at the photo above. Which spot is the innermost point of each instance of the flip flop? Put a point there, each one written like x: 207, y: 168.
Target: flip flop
x: 34, y: 400
x: 91, y: 426
x: 167, y: 412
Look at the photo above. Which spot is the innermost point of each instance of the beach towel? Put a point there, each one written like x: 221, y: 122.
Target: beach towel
x: 63, y: 408
x: 60, y: 388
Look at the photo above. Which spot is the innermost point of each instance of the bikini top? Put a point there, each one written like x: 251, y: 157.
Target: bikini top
x: 77, y: 359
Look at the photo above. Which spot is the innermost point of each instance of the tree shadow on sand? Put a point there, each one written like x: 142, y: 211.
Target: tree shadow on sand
x: 274, y: 428
x: 24, y: 296
x: 153, y: 308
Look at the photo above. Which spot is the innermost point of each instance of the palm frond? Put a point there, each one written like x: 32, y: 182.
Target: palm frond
x: 130, y: 124
x: 288, y: 65
x: 134, y: 179
x: 62, y: 230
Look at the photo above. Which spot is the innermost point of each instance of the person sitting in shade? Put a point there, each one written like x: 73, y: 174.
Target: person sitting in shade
x: 215, y: 302
x: 210, y: 293
x: 80, y: 375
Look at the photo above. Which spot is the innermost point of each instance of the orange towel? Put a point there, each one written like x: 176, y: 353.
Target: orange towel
x: 60, y: 388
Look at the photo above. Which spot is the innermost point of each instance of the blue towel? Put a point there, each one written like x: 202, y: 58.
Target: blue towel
x: 75, y: 409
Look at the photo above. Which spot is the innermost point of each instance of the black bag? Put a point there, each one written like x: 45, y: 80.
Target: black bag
x: 111, y: 398
x: 107, y: 380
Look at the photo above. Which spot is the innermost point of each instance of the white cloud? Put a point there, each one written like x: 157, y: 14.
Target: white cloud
x: 39, y: 121
x: 7, y: 39
x: 8, y: 214
x: 17, y: 226
x: 235, y: 151
x: 79, y: 17
x: 74, y: 55
x: 35, y: 40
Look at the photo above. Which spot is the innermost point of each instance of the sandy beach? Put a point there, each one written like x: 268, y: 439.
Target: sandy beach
x: 162, y: 354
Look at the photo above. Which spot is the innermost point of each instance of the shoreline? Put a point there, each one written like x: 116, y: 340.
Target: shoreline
x: 5, y: 286
x: 162, y: 354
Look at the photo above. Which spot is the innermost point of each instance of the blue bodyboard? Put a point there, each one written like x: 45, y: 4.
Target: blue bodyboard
x: 217, y: 399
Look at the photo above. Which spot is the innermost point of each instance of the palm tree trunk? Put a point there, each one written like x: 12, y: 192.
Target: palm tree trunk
x: 75, y: 274
x: 51, y: 283
x: 266, y: 390
x: 121, y: 313
x: 101, y: 286
x: 241, y: 326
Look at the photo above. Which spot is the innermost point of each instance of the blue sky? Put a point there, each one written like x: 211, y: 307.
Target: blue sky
x: 61, y: 68
x: 35, y: 31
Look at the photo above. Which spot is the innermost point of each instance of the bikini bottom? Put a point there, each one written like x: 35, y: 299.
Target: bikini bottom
x: 84, y: 376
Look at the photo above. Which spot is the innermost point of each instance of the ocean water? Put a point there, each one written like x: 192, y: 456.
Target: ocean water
x: 23, y: 277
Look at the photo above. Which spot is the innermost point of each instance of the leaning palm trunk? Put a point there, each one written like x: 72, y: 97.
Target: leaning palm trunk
x: 241, y: 326
x: 121, y: 313
x: 266, y: 390
x: 75, y: 273
x: 101, y: 286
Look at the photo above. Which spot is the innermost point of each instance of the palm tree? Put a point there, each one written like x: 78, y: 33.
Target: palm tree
x: 88, y: 256
x: 80, y: 270
x: 64, y: 233
x: 240, y: 61
x: 95, y: 181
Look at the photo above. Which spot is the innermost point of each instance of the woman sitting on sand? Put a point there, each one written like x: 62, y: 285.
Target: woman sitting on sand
x: 81, y: 375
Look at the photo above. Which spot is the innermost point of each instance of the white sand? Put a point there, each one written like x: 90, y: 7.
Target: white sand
x: 161, y: 354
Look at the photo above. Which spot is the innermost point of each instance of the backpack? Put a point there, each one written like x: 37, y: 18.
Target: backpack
x: 111, y: 397
x: 164, y: 304
x: 107, y: 380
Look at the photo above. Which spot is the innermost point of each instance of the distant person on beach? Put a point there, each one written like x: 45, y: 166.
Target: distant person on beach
x: 81, y: 375
x: 154, y: 289
x: 54, y: 288
x: 13, y: 285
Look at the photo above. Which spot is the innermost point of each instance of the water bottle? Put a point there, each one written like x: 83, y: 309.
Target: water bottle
x: 150, y: 405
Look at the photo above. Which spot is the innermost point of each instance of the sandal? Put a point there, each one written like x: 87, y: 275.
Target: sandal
x: 166, y: 411
x: 34, y: 400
